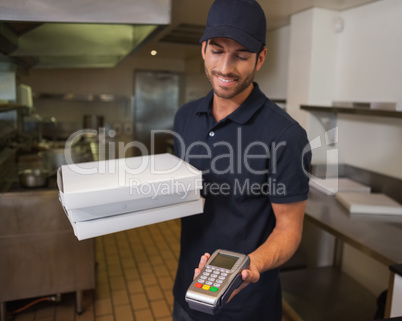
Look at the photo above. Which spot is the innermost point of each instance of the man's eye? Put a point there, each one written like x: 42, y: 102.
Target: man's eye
x: 216, y: 52
x: 242, y: 58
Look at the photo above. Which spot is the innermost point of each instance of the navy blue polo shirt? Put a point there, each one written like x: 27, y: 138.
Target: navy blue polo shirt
x: 255, y: 156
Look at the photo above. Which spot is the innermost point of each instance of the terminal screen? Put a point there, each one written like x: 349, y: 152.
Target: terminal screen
x: 224, y: 261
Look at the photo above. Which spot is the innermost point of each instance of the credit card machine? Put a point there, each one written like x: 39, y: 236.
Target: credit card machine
x: 220, y: 276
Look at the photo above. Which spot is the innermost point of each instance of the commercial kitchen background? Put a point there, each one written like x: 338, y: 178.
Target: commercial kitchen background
x: 309, y: 62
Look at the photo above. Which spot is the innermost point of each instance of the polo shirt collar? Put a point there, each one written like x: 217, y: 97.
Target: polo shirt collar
x: 242, y: 114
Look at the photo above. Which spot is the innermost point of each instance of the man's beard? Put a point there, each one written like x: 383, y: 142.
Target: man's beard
x: 229, y: 93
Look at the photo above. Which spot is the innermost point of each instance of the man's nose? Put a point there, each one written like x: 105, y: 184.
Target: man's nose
x: 227, y: 64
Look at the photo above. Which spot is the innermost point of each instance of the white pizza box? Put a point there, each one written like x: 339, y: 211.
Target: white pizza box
x: 112, y: 224
x: 95, y: 212
x: 98, y: 183
x: 330, y: 186
x: 369, y: 203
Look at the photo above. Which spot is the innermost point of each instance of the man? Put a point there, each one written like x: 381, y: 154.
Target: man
x: 253, y: 159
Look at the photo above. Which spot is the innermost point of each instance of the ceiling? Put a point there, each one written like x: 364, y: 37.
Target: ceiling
x: 77, y: 33
x: 92, y: 43
x: 78, y: 45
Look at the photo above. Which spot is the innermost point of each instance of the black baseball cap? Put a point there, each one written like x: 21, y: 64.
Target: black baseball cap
x: 240, y: 20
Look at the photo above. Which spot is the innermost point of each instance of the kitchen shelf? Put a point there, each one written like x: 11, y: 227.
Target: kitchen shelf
x: 8, y: 107
x: 325, y: 293
x: 106, y: 98
x: 279, y: 100
x: 353, y: 110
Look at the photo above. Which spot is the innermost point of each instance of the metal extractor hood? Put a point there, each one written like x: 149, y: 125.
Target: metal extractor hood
x: 78, y: 33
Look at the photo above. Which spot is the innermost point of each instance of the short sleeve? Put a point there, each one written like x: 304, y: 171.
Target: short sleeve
x: 290, y: 161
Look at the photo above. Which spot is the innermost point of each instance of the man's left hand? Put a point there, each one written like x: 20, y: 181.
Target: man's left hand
x: 250, y: 275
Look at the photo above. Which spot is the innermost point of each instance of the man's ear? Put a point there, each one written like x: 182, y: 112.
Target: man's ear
x: 261, y: 59
x: 203, y: 46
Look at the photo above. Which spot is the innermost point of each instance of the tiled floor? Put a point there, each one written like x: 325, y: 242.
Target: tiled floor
x: 135, y: 275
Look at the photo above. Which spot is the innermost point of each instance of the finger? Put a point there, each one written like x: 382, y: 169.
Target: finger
x: 201, y: 265
x: 250, y: 276
x: 196, y: 272
x: 203, y: 260
x: 245, y: 275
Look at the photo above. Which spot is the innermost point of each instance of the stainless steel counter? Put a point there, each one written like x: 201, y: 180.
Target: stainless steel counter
x: 325, y: 293
x: 40, y: 255
x: 379, y: 236
x: 322, y: 291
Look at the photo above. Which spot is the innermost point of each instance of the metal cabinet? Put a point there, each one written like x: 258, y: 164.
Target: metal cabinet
x: 39, y: 254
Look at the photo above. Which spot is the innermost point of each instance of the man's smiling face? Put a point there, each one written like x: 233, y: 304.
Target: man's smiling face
x: 229, y: 67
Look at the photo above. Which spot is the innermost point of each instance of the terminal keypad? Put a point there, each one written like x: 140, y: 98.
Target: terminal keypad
x: 212, y: 278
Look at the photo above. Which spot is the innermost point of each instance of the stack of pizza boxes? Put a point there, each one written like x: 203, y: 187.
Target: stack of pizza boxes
x: 109, y: 196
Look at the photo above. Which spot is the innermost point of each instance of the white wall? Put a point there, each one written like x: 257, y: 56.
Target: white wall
x: 312, y: 72
x: 115, y: 81
x: 273, y: 76
x: 299, y: 64
x: 322, y: 80
x: 369, y: 68
x: 373, y: 143
x: 361, y: 63
x: 369, y: 54
x: 118, y: 80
